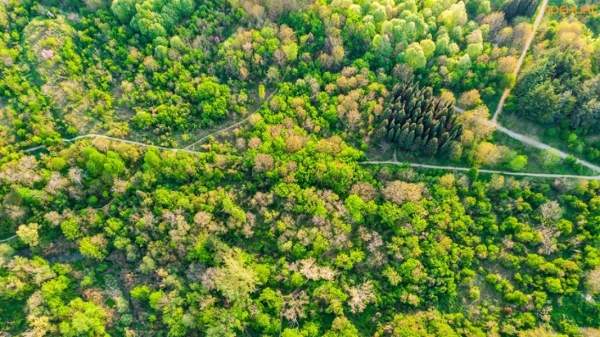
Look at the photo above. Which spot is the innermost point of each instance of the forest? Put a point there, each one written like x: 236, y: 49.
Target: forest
x: 299, y: 168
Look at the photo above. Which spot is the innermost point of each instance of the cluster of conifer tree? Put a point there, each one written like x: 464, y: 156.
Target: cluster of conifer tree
x: 416, y: 120
x: 515, y: 8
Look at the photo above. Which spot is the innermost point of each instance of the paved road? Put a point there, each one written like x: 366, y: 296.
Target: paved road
x: 467, y: 169
x: 536, y: 24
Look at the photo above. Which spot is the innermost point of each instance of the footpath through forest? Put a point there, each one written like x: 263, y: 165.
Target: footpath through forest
x: 466, y: 169
x: 536, y: 25
x: 517, y: 136
x: 524, y: 138
x: 528, y: 140
x: 542, y: 146
x: 368, y: 162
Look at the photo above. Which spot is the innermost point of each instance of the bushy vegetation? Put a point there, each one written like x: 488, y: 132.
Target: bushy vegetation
x: 560, y: 84
x: 305, y: 242
x: 275, y: 226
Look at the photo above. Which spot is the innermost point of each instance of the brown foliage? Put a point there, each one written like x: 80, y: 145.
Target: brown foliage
x: 263, y: 162
x: 400, y: 191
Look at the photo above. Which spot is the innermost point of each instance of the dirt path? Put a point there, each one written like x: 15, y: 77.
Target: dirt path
x: 120, y: 140
x: 467, y: 169
x: 527, y: 140
x: 520, y: 137
x: 536, y: 24
x: 8, y: 239
x: 186, y: 149
x: 542, y: 146
x: 191, y: 146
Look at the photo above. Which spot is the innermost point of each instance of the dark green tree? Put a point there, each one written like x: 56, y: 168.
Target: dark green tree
x: 414, y: 119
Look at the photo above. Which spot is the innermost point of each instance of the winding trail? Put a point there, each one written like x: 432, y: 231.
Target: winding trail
x: 527, y: 140
x: 515, y: 135
x: 542, y: 146
x: 186, y: 149
x: 536, y: 25
x: 219, y: 131
x: 120, y: 140
x: 368, y: 162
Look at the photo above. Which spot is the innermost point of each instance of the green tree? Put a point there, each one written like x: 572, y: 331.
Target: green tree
x: 518, y: 163
x: 123, y: 9
x: 83, y: 319
x: 415, y: 56
x: 93, y: 247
